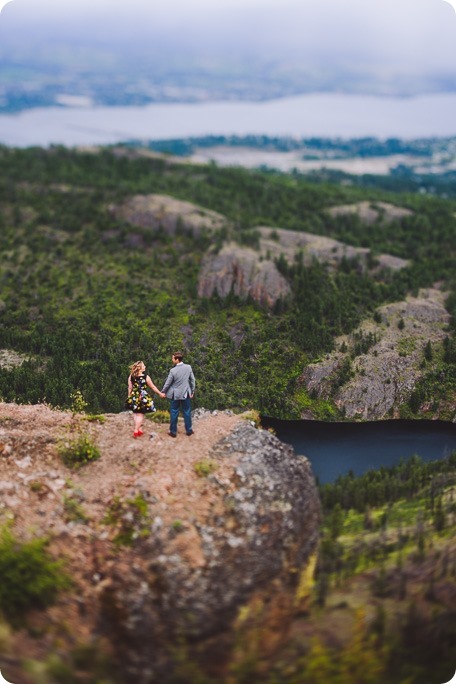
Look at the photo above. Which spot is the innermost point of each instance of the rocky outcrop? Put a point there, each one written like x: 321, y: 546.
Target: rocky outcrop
x: 248, y: 272
x: 248, y: 554
x: 275, y: 242
x: 245, y: 272
x: 374, y: 384
x: 369, y: 212
x: 169, y: 214
x: 175, y: 547
x: 238, y: 270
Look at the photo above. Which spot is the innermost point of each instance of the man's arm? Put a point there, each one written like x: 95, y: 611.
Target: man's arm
x: 168, y: 382
x: 192, y: 383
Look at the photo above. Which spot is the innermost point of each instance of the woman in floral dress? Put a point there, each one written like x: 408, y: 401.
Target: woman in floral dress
x: 139, y: 400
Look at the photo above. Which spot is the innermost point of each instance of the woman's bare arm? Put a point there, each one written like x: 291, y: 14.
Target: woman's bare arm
x: 152, y: 386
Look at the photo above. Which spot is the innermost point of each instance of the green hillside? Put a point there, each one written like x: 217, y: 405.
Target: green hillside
x: 83, y: 294
x: 381, y: 608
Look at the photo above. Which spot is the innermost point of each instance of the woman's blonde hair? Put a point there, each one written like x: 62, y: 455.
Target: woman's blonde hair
x: 135, y: 368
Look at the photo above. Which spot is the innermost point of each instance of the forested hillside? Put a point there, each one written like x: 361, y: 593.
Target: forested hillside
x: 83, y: 294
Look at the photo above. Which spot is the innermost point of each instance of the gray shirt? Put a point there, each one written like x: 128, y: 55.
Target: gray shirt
x: 180, y: 382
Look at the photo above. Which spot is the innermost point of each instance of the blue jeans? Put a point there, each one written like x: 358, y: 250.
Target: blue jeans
x: 185, y: 406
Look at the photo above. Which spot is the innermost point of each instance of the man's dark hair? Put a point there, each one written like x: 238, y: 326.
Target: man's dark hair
x: 178, y: 355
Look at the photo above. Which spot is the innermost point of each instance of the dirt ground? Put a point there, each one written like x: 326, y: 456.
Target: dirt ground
x: 32, y: 472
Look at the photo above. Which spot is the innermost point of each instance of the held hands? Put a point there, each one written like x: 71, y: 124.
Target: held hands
x: 163, y: 395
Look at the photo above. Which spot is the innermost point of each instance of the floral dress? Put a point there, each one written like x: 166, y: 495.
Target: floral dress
x: 140, y: 401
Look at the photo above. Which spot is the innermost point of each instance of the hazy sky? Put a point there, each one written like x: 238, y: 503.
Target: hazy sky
x: 385, y: 26
x: 394, y: 36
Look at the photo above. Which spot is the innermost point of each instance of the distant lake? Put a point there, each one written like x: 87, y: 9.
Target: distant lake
x: 324, y: 115
x: 335, y: 448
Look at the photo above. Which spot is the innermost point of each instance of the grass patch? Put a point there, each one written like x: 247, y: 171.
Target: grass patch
x: 322, y: 409
x: 95, y: 418
x: 159, y: 416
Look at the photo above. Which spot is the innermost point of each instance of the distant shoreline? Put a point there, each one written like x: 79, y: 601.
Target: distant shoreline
x: 326, y: 115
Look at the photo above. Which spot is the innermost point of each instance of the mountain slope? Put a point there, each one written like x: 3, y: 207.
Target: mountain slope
x: 87, y: 289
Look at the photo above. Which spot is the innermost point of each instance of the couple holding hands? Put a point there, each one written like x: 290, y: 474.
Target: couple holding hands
x: 179, y: 387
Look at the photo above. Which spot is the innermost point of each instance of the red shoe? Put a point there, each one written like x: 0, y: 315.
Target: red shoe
x: 136, y: 434
x: 140, y: 432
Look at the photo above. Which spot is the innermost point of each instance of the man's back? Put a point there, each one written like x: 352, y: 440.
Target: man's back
x: 180, y: 382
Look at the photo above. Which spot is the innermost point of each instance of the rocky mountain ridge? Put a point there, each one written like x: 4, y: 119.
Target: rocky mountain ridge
x: 370, y: 385
x: 373, y: 384
x: 252, y: 272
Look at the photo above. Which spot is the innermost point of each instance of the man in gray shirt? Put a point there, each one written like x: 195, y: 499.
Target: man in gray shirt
x: 179, y: 387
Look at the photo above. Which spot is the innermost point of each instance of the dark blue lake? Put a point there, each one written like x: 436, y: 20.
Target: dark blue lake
x: 335, y: 448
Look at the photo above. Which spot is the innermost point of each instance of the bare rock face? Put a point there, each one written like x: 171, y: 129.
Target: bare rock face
x: 249, y: 556
x: 169, y: 214
x: 277, y: 241
x: 240, y: 271
x: 384, y: 376
x: 370, y: 212
x: 248, y: 272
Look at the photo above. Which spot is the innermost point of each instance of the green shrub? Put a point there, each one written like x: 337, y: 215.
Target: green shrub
x: 79, y: 452
x: 205, y: 467
x: 29, y: 577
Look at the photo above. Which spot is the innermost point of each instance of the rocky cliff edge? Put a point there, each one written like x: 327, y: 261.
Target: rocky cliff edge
x: 174, y: 546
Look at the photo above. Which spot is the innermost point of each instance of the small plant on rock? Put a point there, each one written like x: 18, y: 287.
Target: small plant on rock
x: 205, y: 467
x: 73, y: 510
x: 253, y: 416
x: 79, y: 452
x: 131, y: 519
x: 95, y: 418
x: 78, y: 403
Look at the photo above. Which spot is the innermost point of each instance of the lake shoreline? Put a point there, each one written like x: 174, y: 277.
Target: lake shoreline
x: 335, y: 448
x: 323, y: 114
